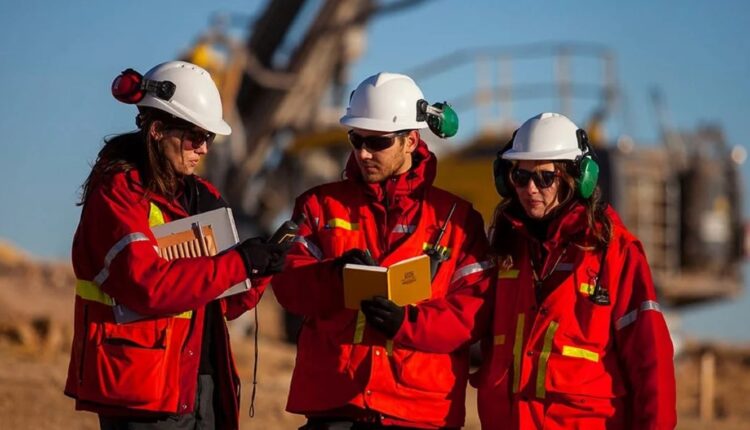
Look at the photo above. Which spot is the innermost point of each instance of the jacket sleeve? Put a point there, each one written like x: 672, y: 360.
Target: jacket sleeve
x: 237, y: 304
x: 121, y: 244
x: 445, y: 324
x: 310, y: 285
x: 644, y: 345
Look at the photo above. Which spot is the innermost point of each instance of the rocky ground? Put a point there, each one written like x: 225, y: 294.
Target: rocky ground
x: 36, y: 301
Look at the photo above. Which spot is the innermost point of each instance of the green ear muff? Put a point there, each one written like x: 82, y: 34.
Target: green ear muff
x: 444, y: 124
x: 588, y: 175
x: 440, y: 117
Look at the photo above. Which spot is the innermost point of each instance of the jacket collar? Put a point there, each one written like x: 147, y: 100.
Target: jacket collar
x: 412, y: 183
x: 134, y: 180
x: 568, y: 223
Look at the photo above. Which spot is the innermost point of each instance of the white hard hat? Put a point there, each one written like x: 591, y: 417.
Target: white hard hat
x: 547, y: 136
x: 196, y: 98
x: 385, y: 102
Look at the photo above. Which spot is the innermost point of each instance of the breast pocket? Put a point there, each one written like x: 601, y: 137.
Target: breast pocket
x: 591, y: 323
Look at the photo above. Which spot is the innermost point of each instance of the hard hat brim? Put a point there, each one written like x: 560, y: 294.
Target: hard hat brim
x: 216, y: 126
x: 562, y: 154
x: 379, y: 125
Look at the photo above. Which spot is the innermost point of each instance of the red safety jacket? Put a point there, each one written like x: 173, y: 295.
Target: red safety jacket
x: 148, y: 366
x: 568, y: 363
x: 345, y: 367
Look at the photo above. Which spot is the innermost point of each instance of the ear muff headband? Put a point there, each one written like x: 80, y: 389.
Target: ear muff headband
x: 130, y: 87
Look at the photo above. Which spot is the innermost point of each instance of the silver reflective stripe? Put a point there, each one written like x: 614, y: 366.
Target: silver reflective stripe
x: 650, y: 305
x: 472, y: 268
x: 630, y: 317
x: 311, y: 247
x: 112, y: 253
x: 404, y: 228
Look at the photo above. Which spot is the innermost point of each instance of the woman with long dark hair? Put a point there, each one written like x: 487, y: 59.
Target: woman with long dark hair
x: 171, y: 367
x: 578, y: 338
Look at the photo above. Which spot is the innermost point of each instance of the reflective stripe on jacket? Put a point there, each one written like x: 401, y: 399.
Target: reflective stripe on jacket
x: 150, y: 365
x: 420, y: 376
x: 568, y: 362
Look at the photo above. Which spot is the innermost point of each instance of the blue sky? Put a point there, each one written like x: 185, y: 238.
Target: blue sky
x: 59, y: 59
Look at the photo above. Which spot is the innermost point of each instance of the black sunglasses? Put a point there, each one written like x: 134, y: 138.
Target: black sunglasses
x: 374, y: 143
x: 196, y: 137
x: 542, y: 179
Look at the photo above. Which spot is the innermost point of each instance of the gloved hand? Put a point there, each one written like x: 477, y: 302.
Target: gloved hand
x: 384, y: 315
x: 262, y: 258
x: 355, y: 256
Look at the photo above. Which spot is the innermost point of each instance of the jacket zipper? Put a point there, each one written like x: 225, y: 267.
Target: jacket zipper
x: 384, y: 234
x: 85, y: 341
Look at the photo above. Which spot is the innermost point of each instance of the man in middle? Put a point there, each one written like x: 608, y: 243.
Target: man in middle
x: 385, y: 366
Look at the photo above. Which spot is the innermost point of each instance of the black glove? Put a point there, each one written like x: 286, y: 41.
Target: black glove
x: 384, y: 315
x: 262, y: 258
x: 355, y: 256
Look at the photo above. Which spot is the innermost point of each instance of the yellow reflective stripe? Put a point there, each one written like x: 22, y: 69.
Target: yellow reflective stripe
x: 389, y: 347
x: 500, y: 339
x: 541, y: 374
x: 572, y: 351
x: 508, y: 274
x: 517, y: 351
x: 90, y: 291
x: 155, y: 215
x: 342, y: 223
x: 587, y: 289
x: 359, y: 330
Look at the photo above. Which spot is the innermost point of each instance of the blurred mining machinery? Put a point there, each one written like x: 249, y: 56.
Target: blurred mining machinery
x: 287, y: 70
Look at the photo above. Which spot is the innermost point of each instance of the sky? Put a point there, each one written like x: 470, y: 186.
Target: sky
x: 59, y: 59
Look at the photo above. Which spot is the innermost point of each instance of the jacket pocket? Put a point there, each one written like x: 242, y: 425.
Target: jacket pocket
x: 427, y: 372
x: 128, y: 364
x: 580, y: 373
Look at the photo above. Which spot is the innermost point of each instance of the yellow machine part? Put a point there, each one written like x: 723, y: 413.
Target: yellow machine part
x: 470, y: 178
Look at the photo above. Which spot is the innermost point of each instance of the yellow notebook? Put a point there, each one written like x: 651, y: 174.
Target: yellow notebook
x: 406, y: 282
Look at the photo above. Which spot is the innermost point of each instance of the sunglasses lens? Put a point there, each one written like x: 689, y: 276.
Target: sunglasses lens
x: 379, y: 143
x: 546, y: 178
x: 372, y: 143
x: 356, y: 140
x: 197, y: 138
x: 521, y: 177
x: 543, y: 179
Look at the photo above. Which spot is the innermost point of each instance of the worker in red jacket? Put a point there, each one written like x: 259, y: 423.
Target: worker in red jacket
x: 578, y: 337
x: 385, y: 366
x: 170, y: 368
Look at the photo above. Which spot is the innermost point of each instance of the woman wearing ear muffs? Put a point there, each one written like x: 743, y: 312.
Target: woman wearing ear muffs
x: 171, y: 367
x: 578, y: 339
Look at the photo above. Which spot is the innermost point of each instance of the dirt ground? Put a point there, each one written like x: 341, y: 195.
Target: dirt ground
x: 36, y: 302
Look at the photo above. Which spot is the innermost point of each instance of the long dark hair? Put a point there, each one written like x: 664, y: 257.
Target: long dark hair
x: 136, y: 150
x: 598, y: 222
